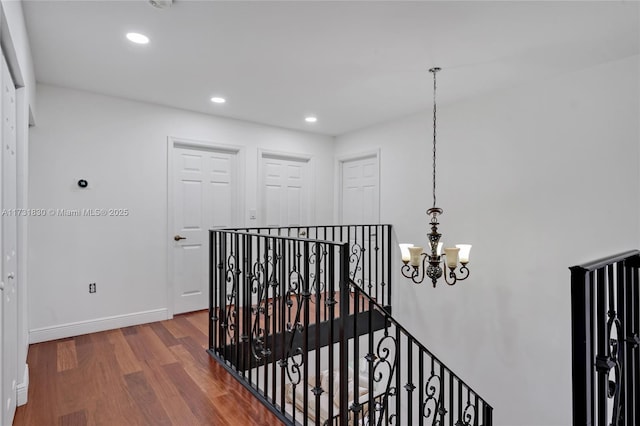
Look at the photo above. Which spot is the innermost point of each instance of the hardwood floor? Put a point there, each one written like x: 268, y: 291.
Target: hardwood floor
x: 152, y: 374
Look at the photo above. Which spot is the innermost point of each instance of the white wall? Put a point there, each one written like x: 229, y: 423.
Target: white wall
x: 120, y: 147
x: 538, y: 178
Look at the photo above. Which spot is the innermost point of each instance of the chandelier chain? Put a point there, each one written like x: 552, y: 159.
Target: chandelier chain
x: 434, y: 71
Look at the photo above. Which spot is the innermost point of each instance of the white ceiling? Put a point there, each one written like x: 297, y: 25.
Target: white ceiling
x: 350, y: 63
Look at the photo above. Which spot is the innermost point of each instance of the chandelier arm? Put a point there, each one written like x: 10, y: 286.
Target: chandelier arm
x: 407, y: 270
x: 451, y: 274
x: 413, y: 273
x: 464, y: 273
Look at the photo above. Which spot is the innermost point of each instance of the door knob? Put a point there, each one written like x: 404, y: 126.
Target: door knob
x: 11, y: 275
x: 178, y: 238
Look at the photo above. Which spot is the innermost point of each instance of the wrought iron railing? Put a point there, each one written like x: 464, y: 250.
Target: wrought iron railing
x: 292, y: 314
x: 369, y: 251
x: 605, y: 325
x: 417, y: 388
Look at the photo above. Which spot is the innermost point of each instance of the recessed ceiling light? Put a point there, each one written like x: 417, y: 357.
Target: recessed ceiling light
x: 218, y: 100
x: 161, y: 4
x: 311, y: 119
x: 137, y: 38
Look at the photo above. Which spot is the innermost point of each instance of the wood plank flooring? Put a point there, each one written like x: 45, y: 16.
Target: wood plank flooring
x: 152, y: 374
x: 279, y: 316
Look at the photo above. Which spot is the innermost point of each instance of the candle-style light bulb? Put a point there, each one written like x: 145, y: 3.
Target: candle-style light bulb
x: 416, y: 252
x: 452, y: 256
x: 404, y: 251
x: 465, y: 249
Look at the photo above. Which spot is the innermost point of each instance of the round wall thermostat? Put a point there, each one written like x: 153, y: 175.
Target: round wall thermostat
x: 83, y: 183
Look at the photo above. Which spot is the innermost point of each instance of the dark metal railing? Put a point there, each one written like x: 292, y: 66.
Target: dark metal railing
x: 414, y: 386
x: 369, y: 251
x: 605, y: 326
x: 292, y: 314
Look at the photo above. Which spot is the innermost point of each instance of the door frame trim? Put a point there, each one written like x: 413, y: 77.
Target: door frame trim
x: 285, y: 155
x: 340, y: 160
x: 180, y: 142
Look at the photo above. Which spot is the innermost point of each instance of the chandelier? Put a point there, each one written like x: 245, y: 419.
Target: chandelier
x: 434, y: 264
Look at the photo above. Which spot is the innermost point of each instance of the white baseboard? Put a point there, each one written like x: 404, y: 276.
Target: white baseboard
x: 22, y: 390
x: 95, y: 325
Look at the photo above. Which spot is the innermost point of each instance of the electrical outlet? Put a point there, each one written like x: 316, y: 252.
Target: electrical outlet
x: 92, y: 287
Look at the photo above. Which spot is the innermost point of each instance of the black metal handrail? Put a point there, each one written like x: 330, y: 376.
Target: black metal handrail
x: 605, y: 328
x: 443, y: 398
x: 369, y: 250
x: 292, y: 314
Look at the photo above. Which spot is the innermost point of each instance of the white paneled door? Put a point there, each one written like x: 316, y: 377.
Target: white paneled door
x: 360, y: 202
x: 8, y: 282
x: 205, y: 195
x: 285, y: 197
